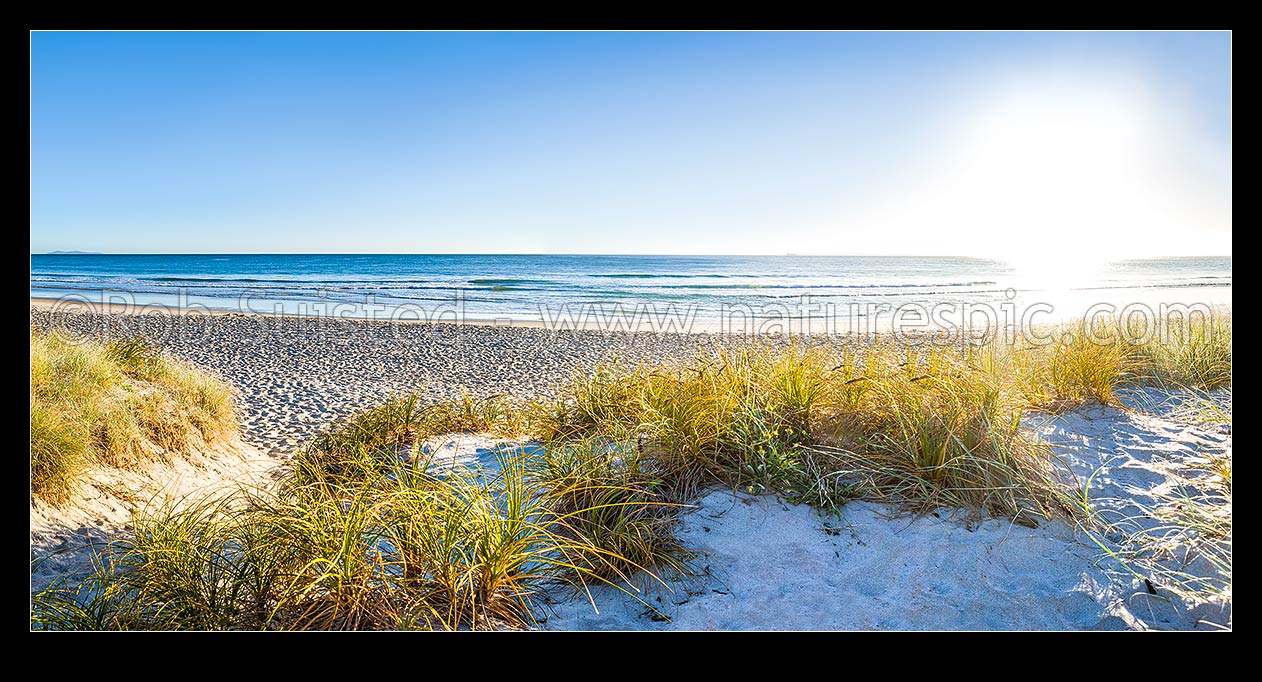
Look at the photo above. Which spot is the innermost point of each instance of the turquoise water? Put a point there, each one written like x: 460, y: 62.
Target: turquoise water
x: 537, y: 287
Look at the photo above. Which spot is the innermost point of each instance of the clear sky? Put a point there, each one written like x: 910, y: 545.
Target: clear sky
x: 1020, y: 145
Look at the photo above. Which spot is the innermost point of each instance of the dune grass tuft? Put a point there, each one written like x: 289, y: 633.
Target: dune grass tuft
x: 397, y: 547
x: 120, y: 404
x: 929, y: 427
x: 1185, y: 351
x: 364, y: 533
x: 1088, y: 361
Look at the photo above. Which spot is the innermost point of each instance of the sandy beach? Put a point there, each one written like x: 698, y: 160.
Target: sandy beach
x: 765, y: 564
x: 297, y: 374
x: 620, y: 323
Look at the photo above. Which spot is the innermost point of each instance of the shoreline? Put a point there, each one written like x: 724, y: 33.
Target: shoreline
x: 926, y: 323
x: 71, y: 305
x: 696, y: 327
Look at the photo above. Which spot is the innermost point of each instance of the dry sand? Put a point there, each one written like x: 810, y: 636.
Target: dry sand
x: 75, y: 303
x: 63, y: 538
x: 775, y: 566
x: 294, y: 375
x: 766, y: 565
x: 771, y: 565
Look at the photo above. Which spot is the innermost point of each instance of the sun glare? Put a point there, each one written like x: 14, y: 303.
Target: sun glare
x: 1060, y: 175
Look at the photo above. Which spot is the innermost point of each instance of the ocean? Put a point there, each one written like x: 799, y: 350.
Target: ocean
x: 547, y: 288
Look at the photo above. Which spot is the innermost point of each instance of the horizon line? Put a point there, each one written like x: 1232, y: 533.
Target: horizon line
x: 64, y: 252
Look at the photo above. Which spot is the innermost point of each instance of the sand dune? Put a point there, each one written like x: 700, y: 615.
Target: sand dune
x: 765, y: 564
x: 771, y: 565
x: 63, y: 538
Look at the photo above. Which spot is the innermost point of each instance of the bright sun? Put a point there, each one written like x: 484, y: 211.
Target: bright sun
x: 1059, y: 176
x: 1047, y: 179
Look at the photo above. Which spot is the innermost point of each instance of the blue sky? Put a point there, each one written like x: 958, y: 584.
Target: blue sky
x: 939, y: 143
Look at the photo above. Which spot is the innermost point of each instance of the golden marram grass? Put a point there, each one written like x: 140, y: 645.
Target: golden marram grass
x: 362, y: 532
